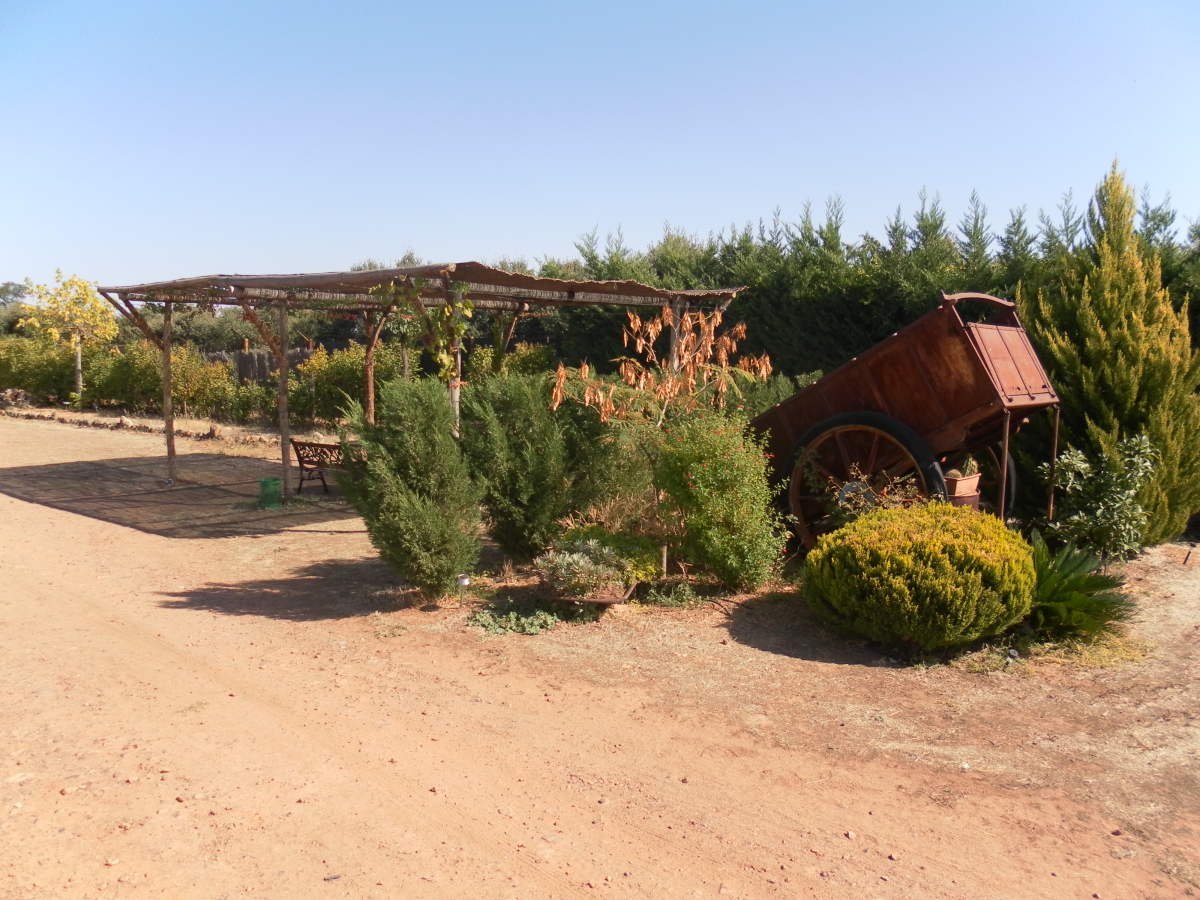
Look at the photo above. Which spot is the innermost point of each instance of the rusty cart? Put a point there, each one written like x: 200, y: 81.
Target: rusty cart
x: 914, y: 404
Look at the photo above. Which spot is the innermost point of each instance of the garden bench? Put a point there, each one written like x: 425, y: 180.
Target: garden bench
x: 316, y: 459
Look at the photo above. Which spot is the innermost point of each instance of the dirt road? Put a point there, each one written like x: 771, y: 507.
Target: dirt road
x: 253, y: 714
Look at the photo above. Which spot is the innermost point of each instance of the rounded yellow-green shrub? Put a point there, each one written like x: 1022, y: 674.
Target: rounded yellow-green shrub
x: 928, y: 577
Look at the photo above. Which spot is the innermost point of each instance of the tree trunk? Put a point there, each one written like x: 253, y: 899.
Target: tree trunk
x: 456, y: 385
x: 78, y: 371
x: 369, y: 366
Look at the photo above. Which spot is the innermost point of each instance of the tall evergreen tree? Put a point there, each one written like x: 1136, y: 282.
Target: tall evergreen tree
x: 978, y: 268
x: 1018, y: 253
x: 1119, y: 353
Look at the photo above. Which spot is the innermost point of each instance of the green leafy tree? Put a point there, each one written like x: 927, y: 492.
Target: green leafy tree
x: 715, y: 479
x: 11, y: 292
x: 1119, y: 352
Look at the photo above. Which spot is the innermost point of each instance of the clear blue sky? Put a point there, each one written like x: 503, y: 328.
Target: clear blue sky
x: 148, y: 140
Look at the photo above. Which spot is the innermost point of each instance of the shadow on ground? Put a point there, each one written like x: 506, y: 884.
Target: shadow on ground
x: 783, y: 624
x: 330, y: 589
x: 215, y: 495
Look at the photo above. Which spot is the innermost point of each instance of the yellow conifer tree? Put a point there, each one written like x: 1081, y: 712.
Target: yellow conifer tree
x: 1119, y: 354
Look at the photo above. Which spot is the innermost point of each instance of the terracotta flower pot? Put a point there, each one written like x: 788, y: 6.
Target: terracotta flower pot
x: 963, y: 486
x: 964, y: 490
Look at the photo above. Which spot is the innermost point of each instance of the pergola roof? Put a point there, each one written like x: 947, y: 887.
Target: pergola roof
x: 484, y: 286
x: 487, y: 288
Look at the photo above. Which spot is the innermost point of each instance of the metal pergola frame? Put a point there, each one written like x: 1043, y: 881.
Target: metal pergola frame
x: 433, y: 286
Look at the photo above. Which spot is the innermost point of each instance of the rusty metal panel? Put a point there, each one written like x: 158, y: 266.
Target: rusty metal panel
x: 1013, y: 365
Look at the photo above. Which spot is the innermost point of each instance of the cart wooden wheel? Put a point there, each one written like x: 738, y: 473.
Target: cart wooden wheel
x: 856, y: 453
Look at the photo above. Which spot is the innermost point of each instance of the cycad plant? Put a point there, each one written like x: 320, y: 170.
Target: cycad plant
x: 1073, y: 595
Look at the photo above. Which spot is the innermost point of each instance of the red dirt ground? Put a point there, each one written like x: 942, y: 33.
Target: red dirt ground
x: 253, y: 711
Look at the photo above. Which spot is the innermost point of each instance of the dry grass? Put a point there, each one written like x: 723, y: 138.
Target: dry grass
x: 1108, y: 649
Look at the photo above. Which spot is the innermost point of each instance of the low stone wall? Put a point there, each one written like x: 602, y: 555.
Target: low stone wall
x: 124, y: 423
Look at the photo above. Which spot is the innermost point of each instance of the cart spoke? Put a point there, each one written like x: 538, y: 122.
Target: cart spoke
x: 874, y: 454
x: 847, y: 457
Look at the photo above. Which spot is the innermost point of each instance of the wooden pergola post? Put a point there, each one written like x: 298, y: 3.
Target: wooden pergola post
x: 455, y: 383
x: 168, y: 402
x: 285, y: 442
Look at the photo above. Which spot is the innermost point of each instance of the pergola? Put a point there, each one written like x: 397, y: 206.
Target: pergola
x: 432, y: 285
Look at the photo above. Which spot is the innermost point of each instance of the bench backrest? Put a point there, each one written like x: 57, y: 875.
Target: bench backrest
x: 318, y: 456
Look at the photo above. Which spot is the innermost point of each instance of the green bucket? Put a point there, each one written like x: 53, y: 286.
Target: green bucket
x: 270, y: 493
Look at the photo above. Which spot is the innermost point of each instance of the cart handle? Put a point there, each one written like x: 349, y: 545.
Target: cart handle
x: 1000, y: 303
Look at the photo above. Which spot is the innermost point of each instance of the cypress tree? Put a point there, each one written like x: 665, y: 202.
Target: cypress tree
x: 1119, y: 354
x: 1017, y: 258
x: 978, y: 269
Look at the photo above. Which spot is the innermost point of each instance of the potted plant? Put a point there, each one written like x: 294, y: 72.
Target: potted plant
x: 962, y: 484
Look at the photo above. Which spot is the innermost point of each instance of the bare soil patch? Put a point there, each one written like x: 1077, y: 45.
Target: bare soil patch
x: 263, y: 711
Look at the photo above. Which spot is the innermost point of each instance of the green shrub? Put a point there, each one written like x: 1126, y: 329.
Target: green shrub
x: 716, y: 482
x: 1098, y: 506
x: 130, y: 377
x: 523, y: 359
x: 199, y: 387
x: 680, y: 595
x: 412, y: 487
x: 619, y: 494
x: 251, y: 401
x: 590, y: 571
x: 508, y: 616
x: 928, y: 577
x: 324, y: 384
x: 534, y: 465
x: 590, y: 561
x: 1071, y: 596
x: 639, y: 557
x: 43, y: 368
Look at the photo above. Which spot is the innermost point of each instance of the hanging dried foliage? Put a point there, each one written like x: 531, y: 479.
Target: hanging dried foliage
x: 696, y: 372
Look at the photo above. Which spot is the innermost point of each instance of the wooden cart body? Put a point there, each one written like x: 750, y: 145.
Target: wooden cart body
x: 960, y: 386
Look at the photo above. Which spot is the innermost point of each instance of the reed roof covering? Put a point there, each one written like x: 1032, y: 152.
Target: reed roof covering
x: 485, y: 286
